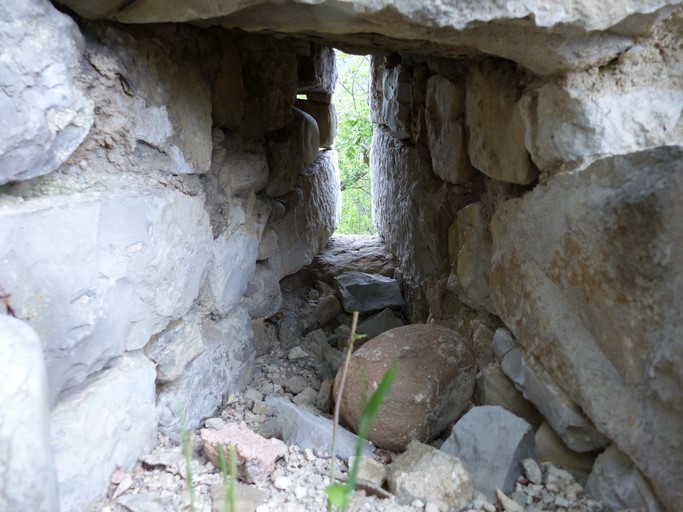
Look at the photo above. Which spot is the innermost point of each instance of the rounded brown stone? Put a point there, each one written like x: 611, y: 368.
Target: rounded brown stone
x: 434, y: 382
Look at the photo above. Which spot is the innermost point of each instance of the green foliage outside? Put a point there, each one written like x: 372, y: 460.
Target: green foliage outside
x: 354, y: 137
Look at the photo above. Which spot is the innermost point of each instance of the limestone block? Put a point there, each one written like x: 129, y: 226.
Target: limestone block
x: 445, y: 120
x: 300, y: 427
x: 418, y: 113
x: 617, y: 483
x: 104, y: 425
x: 471, y: 281
x: 233, y: 259
x: 45, y: 116
x: 587, y: 275
x: 174, y: 348
x: 29, y: 482
x: 227, y: 86
x: 545, y: 37
x: 317, y: 72
x: 312, y: 213
x: 493, y: 387
x: 268, y: 245
x: 290, y: 151
x: 240, y: 170
x: 262, y: 298
x: 121, y: 264
x: 270, y: 76
x: 495, y: 127
x: 568, y: 123
x: 434, y: 383
x: 367, y: 293
x: 225, y: 366
x: 397, y: 100
x: 428, y: 474
x: 550, y: 448
x: 556, y: 406
x: 491, y: 442
x: 325, y: 115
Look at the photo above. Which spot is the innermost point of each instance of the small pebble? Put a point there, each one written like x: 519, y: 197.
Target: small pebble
x: 282, y: 482
x: 296, y: 353
x: 532, y: 471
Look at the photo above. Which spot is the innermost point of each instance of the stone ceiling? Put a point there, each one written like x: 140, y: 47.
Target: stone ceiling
x: 544, y: 36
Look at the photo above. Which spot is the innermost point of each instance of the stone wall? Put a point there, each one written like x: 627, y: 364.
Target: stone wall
x: 550, y: 206
x: 156, y: 185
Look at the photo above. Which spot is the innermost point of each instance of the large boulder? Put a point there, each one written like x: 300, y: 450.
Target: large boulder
x: 587, y: 273
x: 435, y: 380
x: 367, y: 293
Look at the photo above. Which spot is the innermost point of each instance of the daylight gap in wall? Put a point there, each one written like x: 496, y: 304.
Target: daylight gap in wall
x: 354, y: 137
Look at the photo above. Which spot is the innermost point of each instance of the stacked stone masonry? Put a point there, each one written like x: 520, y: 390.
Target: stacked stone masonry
x: 157, y: 181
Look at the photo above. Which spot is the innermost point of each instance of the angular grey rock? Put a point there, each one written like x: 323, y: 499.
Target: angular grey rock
x: 45, y: 116
x: 174, y: 348
x: 327, y: 358
x: 366, y: 293
x: 291, y: 150
x: 445, y: 119
x: 121, y: 266
x: 145, y: 502
x: 225, y: 366
x: 289, y: 328
x: 262, y: 298
x: 428, y: 474
x: 306, y: 430
x: 265, y: 336
x: 104, y: 425
x: 376, y: 325
x: 29, y: 481
x: 568, y: 268
x: 295, y: 384
x: 491, y: 443
x: 617, y: 483
x: 493, y: 387
x: 559, y: 410
x: 326, y: 311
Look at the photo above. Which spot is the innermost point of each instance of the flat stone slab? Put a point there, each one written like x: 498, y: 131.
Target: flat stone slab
x: 366, y: 293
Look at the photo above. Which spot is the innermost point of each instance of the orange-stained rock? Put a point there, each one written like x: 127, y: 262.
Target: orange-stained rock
x: 435, y: 380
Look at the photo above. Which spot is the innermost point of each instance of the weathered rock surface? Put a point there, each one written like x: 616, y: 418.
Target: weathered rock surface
x: 391, y: 103
x: 116, y: 405
x: 304, y: 429
x: 29, y: 482
x: 328, y: 308
x: 434, y: 382
x: 367, y: 293
x: 568, y: 268
x: 557, y: 407
x: 493, y: 387
x: 547, y: 38
x: 445, y: 120
x: 317, y: 71
x: 97, y: 291
x: 174, y: 348
x: 491, y: 443
x: 495, y: 126
x: 290, y: 151
x: 425, y: 473
x: 325, y: 115
x: 618, y: 484
x: 550, y: 448
x: 353, y: 253
x: 45, y: 115
x: 262, y: 298
x: 255, y: 455
x: 312, y: 213
x: 225, y: 365
x: 379, y: 323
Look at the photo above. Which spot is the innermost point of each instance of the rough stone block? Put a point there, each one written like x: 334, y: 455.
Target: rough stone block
x: 45, y: 116
x: 240, y: 170
x: 317, y: 71
x: 396, y: 101
x: 366, y: 293
x: 493, y: 387
x: 491, y: 442
x: 312, y: 213
x: 104, y: 425
x: 445, y: 120
x: 29, y: 480
x: 120, y: 266
x: 225, y: 366
x: 326, y: 117
x: 302, y: 428
x: 568, y: 268
x: 290, y: 151
x: 262, y: 298
x: 618, y: 484
x: 495, y: 126
x: 565, y: 416
x: 428, y: 474
x: 255, y: 455
x: 174, y: 348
